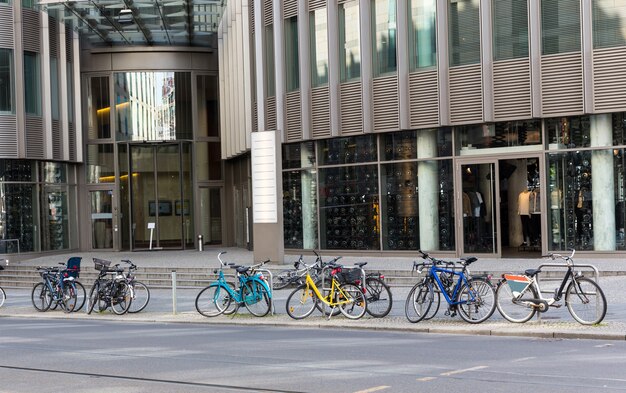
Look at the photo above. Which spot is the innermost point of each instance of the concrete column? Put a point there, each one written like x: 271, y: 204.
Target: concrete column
x: 309, y: 202
x: 428, y: 187
x: 602, y: 183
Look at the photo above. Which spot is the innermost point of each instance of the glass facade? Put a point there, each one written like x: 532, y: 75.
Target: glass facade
x: 384, y: 29
x: 319, y: 47
x: 98, y: 108
x: 349, y: 41
x: 422, y: 33
x: 292, y: 66
x: 464, y: 32
x: 6, y: 81
x: 55, y: 96
x: 560, y: 26
x: 100, y: 165
x: 510, y: 29
x: 32, y: 84
x: 608, y: 22
x: 498, y: 135
x: 207, y: 106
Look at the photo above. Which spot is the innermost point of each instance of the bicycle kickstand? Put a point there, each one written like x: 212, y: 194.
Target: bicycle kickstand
x: 332, y: 311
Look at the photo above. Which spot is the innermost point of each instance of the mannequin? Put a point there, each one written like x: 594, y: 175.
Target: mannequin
x: 523, y: 209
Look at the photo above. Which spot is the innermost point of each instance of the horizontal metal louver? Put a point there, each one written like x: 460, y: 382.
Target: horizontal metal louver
x: 386, y: 104
x: 251, y: 14
x: 293, y: 109
x: 270, y: 115
x: 512, y: 98
x: 57, y: 142
x: 34, y: 137
x: 562, y: 84
x: 320, y: 112
x: 54, y: 37
x: 69, y: 47
x: 466, y: 94
x: 255, y: 117
x: 316, y: 4
x: 609, y: 84
x: 351, y: 104
x: 71, y: 138
x: 424, y: 99
x: 8, y: 136
x: 6, y: 27
x: 290, y: 8
x: 31, y: 30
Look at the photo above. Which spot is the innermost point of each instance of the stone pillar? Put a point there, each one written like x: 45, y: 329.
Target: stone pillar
x: 309, y: 201
x: 602, y: 183
x: 428, y: 188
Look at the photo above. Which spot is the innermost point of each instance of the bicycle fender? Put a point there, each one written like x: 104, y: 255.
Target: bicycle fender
x: 264, y: 283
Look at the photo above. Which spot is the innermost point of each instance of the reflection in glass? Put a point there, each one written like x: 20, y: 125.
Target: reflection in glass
x: 207, y: 106
x: 422, y: 33
x: 510, y: 29
x: 319, y: 47
x: 292, y: 65
x: 98, y: 108
x: 384, y: 26
x: 53, y: 172
x: 299, y: 155
x: 560, y: 26
x: 32, y: 84
x: 300, y: 209
x: 349, y: 41
x: 498, y: 135
x: 464, y: 32
x: 100, y: 166
x: 56, y: 227
x: 348, y: 150
x: 608, y: 21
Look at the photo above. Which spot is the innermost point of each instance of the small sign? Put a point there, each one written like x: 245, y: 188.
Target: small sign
x: 151, y: 225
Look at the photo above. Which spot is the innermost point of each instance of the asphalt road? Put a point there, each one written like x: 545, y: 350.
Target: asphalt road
x: 100, y: 356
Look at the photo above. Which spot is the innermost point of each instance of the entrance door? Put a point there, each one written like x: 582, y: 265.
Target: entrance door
x: 101, y: 206
x: 478, y: 214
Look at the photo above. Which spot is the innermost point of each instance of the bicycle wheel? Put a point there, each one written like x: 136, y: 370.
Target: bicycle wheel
x: 81, y: 296
x: 283, y: 279
x: 3, y: 296
x: 213, y: 300
x: 477, y: 301
x: 233, y: 306
x: 141, y: 297
x: 513, y: 309
x: 378, y: 295
x: 419, y: 301
x: 41, y: 297
x: 434, y: 306
x: 357, y: 304
x: 93, y: 297
x: 68, y: 300
x: 121, y: 297
x: 585, y: 301
x: 301, y: 302
x: 324, y: 308
x: 256, y: 299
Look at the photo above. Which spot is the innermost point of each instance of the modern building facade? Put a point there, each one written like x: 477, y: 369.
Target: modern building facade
x: 492, y: 127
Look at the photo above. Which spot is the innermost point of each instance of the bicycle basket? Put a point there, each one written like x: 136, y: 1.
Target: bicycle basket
x: 349, y: 275
x: 101, y: 264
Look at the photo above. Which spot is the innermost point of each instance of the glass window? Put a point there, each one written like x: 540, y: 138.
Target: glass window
x: 349, y: 41
x: 207, y: 106
x: 53, y: 172
x: 348, y: 150
x: 560, y: 26
x: 54, y: 88
x: 98, y: 108
x: 4, y: 2
x: 270, y: 77
x: 70, y: 92
x: 575, y: 132
x: 32, y: 84
x: 299, y: 155
x: 319, y: 47
x: 498, y: 135
x: 384, y: 36
x: 422, y: 33
x: 100, y: 164
x: 28, y: 3
x: 300, y: 209
x: 55, y: 228
x: 510, y: 29
x: 17, y: 170
x: 349, y: 208
x: 408, y: 145
x: 464, y: 32
x: 153, y: 106
x: 608, y: 23
x: 20, y: 207
x: 6, y: 80
x: 292, y: 63
x: 208, y: 161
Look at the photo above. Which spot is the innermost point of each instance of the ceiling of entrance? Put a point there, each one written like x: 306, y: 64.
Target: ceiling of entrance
x: 142, y: 22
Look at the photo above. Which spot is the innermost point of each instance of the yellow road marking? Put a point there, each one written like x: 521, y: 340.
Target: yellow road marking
x: 426, y: 379
x: 446, y: 374
x: 374, y: 389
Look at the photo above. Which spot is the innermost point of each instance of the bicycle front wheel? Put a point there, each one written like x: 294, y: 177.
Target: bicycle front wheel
x: 514, y: 309
x: 3, y: 296
x: 93, y: 297
x: 419, y: 301
x: 141, y: 297
x: 256, y: 299
x: 81, y: 296
x: 477, y: 301
x: 41, y: 297
x: 283, y: 279
x: 378, y: 295
x: 213, y: 300
x: 68, y: 301
x: 352, y: 301
x: 585, y: 301
x: 434, y: 306
x: 121, y: 297
x: 301, y: 302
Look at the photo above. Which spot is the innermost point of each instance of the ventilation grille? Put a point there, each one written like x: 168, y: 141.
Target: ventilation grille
x: 609, y: 84
x: 424, y: 99
x: 290, y: 8
x: 268, y: 16
x: 71, y: 138
x: 316, y: 4
x: 512, y: 97
x: 562, y: 84
x: 57, y: 143
x: 386, y: 105
x: 294, y: 118
x: 34, y: 137
x: 255, y: 117
x: 31, y: 30
x: 320, y: 112
x: 6, y: 27
x: 466, y: 94
x: 8, y: 136
x: 69, y: 46
x: 54, y: 37
x: 270, y: 115
x: 351, y: 104
x: 251, y: 14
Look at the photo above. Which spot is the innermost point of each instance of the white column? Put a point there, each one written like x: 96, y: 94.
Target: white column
x: 428, y: 187
x: 602, y: 183
x: 309, y: 204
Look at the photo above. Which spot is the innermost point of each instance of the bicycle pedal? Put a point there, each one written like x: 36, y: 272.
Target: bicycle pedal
x: 556, y: 305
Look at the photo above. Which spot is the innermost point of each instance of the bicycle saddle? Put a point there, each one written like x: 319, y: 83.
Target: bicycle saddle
x: 360, y: 264
x: 532, y: 272
x: 467, y: 261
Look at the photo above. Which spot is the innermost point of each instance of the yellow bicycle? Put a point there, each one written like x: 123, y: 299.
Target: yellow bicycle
x: 349, y: 298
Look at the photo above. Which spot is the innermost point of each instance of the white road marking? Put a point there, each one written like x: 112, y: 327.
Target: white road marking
x: 524, y: 359
x: 426, y: 379
x: 447, y: 374
x: 374, y: 389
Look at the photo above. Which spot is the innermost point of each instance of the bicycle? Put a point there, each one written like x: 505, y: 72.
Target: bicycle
x: 347, y: 297
x: 288, y: 277
x: 472, y: 297
x: 253, y: 292
x: 3, y: 294
x: 56, y: 287
x: 377, y: 292
x: 113, y: 292
x: 518, y: 296
x: 140, y: 292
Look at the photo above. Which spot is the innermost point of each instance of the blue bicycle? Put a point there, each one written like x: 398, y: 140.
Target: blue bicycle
x: 253, y: 292
x: 472, y: 297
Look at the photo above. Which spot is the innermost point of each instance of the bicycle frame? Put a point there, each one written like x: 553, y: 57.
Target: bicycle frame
x: 457, y: 287
x: 334, y: 288
x: 237, y: 294
x: 516, y: 281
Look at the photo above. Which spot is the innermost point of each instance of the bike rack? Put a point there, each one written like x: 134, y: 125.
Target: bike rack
x: 271, y: 282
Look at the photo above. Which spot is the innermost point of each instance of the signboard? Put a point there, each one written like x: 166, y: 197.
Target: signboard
x: 264, y: 202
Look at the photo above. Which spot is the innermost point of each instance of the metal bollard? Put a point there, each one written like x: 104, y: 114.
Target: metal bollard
x: 174, y: 292
x: 200, y: 243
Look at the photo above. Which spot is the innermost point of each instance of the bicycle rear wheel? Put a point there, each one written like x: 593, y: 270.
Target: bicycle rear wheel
x: 301, y: 302
x: 434, y: 307
x: 378, y: 295
x: 3, y: 296
x: 357, y: 304
x: 477, y: 301
x: 256, y: 299
x: 68, y: 301
x: 93, y: 297
x: 121, y: 297
x: 41, y: 297
x: 81, y: 296
x: 419, y: 301
x: 283, y: 279
x: 585, y: 301
x: 213, y: 300
x: 141, y: 297
x: 513, y: 309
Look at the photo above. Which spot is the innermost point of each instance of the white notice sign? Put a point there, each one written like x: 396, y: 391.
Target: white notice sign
x: 264, y: 177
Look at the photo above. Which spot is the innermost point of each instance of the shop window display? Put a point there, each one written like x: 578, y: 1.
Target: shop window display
x: 348, y: 150
x: 300, y: 209
x: 498, y: 135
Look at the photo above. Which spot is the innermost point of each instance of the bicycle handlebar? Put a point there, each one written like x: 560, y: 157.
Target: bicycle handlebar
x: 567, y: 258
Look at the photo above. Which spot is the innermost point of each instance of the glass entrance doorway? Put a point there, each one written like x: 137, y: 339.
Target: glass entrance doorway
x: 158, y: 196
x: 101, y: 202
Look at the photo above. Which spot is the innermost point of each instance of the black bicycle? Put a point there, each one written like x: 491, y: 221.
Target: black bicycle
x: 141, y: 293
x: 113, y: 291
x: 56, y: 288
